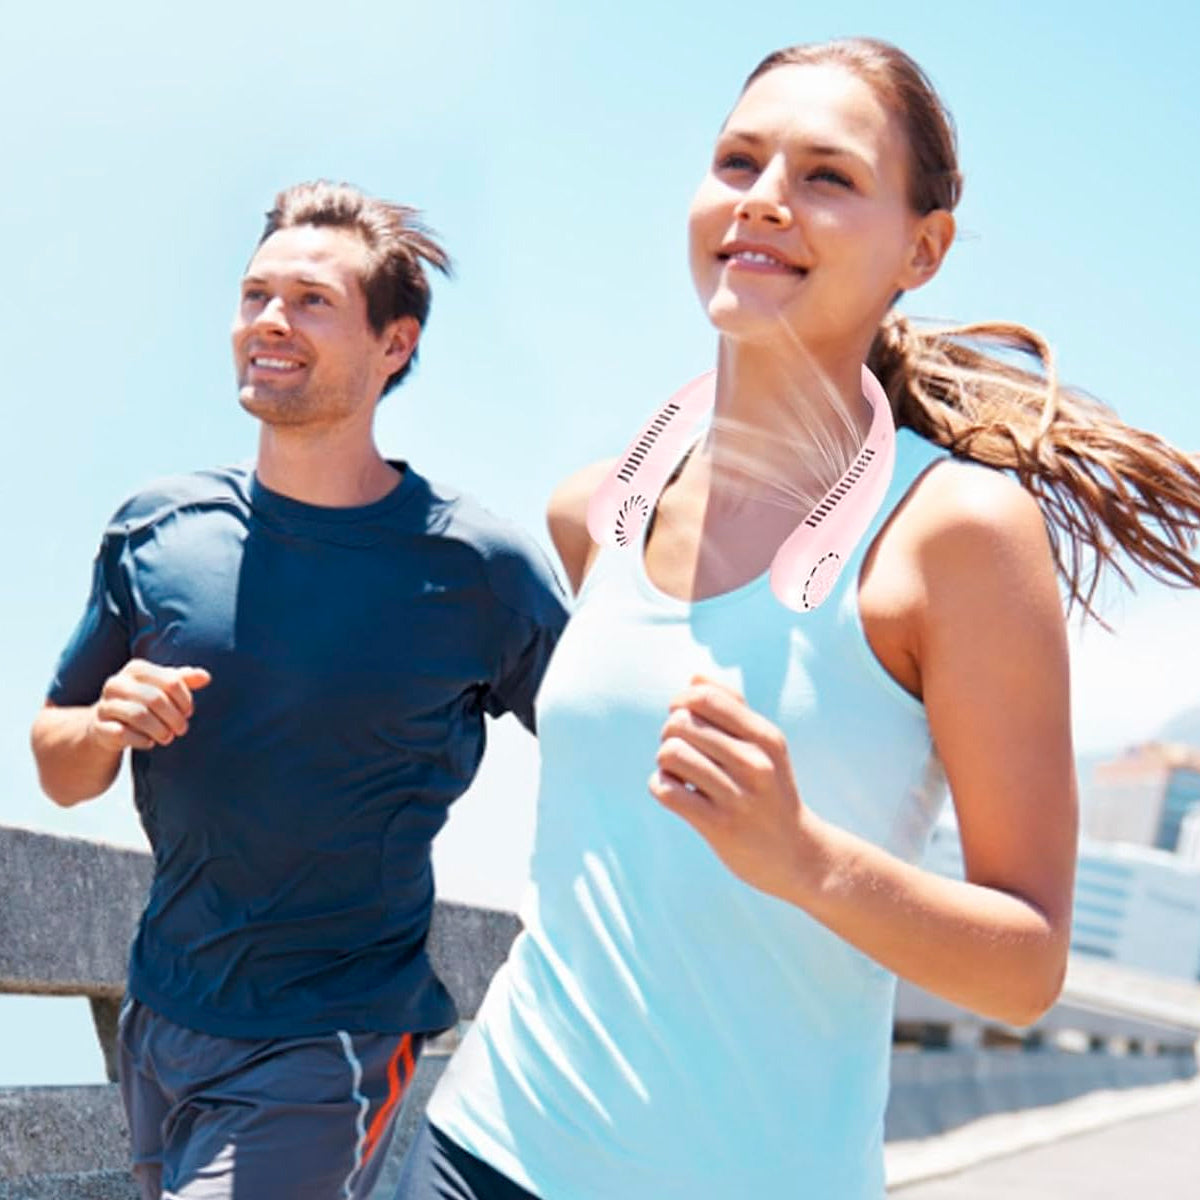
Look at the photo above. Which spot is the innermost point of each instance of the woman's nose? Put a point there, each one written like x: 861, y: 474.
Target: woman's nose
x: 766, y: 199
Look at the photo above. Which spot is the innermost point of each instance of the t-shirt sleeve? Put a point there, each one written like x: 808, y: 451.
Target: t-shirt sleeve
x: 536, y: 607
x: 99, y: 647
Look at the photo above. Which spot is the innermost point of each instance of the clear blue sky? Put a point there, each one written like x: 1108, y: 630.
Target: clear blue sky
x: 555, y: 149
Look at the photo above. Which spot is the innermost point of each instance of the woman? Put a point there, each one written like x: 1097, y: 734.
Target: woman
x: 700, y: 1004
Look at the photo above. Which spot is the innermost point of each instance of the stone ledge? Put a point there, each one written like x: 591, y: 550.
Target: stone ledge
x: 68, y: 908
x: 61, y: 1130
x: 467, y: 945
x: 87, y: 1185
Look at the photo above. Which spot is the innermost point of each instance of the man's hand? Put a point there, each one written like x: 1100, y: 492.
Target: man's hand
x: 145, y: 705
x: 79, y: 749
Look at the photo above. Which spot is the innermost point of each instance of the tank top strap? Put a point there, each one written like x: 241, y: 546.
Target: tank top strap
x: 914, y: 456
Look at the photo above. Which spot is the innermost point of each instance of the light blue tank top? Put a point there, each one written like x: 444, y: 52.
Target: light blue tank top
x: 662, y: 1029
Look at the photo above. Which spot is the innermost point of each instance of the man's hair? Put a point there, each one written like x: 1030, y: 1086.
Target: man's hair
x: 397, y: 242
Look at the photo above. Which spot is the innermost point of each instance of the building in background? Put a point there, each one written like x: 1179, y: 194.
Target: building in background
x: 1137, y: 906
x: 1143, y: 797
x: 1189, y: 838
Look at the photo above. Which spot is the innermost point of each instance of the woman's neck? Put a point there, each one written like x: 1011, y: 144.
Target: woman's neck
x: 759, y: 386
x: 784, y: 424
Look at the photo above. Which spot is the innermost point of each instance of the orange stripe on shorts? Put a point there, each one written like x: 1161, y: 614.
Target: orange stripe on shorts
x: 398, y: 1081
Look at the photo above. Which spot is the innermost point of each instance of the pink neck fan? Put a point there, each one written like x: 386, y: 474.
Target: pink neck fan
x: 807, y: 565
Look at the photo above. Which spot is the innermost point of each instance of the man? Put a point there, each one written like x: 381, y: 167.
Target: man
x: 299, y: 657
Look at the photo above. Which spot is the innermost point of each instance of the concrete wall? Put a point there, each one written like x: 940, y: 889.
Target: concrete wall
x: 68, y: 909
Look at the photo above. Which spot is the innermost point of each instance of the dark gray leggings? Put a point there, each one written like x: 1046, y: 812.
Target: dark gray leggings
x: 435, y: 1168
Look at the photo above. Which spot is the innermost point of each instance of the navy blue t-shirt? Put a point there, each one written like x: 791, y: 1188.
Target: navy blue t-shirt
x: 353, y: 653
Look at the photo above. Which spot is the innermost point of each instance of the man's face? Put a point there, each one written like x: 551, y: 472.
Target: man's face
x: 303, y: 348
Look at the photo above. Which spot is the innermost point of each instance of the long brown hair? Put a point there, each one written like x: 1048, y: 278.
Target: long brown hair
x: 1103, y: 486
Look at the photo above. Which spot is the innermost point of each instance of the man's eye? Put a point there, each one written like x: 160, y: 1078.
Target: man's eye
x: 313, y: 298
x: 253, y: 295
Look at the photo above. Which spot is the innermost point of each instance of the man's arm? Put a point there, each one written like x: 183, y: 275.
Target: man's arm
x: 78, y: 748
x: 532, y: 612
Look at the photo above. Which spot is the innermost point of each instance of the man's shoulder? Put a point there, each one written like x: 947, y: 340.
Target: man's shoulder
x: 215, y: 487
x: 514, y: 564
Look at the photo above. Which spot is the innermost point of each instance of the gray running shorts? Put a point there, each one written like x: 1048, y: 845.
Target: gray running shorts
x: 214, y: 1118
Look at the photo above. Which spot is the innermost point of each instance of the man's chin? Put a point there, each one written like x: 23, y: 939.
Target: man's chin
x: 275, y: 408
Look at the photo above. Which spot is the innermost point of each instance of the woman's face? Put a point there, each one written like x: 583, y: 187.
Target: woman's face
x: 801, y: 230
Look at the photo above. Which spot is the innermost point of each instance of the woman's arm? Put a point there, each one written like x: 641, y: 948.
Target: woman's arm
x: 990, y: 642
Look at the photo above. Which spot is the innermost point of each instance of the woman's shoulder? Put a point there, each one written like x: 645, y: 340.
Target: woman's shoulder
x: 956, y: 499
x: 569, y: 500
x: 566, y: 518
x: 965, y: 551
x: 977, y: 538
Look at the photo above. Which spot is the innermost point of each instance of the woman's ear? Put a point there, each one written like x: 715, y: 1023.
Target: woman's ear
x: 932, y: 236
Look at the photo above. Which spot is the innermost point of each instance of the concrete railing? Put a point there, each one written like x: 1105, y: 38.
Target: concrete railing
x: 1112, y: 1029
x: 1105, y: 1006
x: 68, y: 908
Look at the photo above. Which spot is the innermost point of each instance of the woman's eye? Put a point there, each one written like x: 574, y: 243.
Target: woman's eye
x: 736, y: 162
x: 829, y: 175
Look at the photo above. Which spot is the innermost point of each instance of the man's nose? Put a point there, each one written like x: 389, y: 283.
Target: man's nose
x: 272, y: 316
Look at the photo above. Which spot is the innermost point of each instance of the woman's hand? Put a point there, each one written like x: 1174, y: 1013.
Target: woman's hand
x: 725, y: 769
